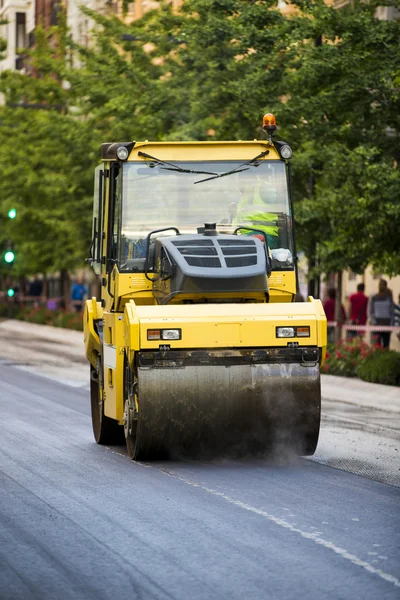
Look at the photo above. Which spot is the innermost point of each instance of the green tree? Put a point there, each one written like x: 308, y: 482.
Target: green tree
x: 209, y: 71
x: 46, y: 162
x: 343, y: 115
x: 223, y: 63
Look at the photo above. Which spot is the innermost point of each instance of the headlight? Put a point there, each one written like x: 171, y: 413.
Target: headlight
x: 122, y: 153
x: 288, y: 332
x: 170, y: 334
x: 285, y: 332
x: 286, y: 151
x: 164, y: 334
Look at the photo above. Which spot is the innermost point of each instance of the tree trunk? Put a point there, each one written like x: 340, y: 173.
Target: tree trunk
x: 45, y: 291
x: 338, y: 307
x: 311, y: 265
x: 313, y: 282
x: 64, y: 288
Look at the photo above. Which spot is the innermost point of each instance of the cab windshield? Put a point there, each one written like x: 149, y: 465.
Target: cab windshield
x: 155, y: 197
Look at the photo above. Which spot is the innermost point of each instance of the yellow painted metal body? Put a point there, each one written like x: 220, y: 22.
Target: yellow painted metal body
x: 202, y: 151
x: 128, y: 307
x: 93, y: 313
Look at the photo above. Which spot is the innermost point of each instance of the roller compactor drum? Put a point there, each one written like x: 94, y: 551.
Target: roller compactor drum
x: 197, y: 346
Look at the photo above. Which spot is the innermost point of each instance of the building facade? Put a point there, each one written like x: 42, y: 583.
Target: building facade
x: 23, y: 16
x: 20, y: 17
x: 80, y: 24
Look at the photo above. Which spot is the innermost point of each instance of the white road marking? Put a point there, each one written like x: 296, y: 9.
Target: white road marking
x: 355, y: 560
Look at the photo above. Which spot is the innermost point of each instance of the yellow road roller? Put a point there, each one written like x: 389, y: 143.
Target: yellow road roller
x: 197, y: 346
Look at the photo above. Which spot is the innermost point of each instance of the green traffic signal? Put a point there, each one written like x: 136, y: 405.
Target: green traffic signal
x: 10, y: 292
x: 9, y: 257
x: 12, y: 213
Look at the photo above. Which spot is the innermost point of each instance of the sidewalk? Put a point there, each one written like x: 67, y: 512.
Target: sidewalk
x: 44, y: 332
x: 352, y: 390
x: 52, y: 352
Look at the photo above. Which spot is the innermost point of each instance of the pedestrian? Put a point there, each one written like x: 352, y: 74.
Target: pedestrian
x: 381, y: 312
x: 329, y: 308
x: 35, y: 291
x: 36, y: 287
x: 78, y: 293
x: 397, y: 317
x: 358, y: 310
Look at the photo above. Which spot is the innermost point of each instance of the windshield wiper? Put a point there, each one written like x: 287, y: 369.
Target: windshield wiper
x: 238, y: 169
x: 172, y: 167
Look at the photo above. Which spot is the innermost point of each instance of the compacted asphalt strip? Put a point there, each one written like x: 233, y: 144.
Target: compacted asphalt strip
x: 83, y: 521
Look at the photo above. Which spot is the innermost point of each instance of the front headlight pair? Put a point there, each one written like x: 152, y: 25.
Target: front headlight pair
x: 291, y: 332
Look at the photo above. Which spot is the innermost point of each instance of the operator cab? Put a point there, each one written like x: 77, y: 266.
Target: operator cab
x: 152, y: 196
x: 145, y: 192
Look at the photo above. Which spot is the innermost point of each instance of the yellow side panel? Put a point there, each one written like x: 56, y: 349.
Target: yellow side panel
x: 131, y: 330
x: 282, y: 286
x: 113, y: 359
x: 93, y: 312
x: 134, y: 285
x: 322, y: 327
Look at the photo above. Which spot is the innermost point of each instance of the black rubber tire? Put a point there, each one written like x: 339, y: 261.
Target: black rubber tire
x: 130, y: 441
x: 106, y: 431
x: 130, y: 438
x: 297, y: 432
x: 311, y: 422
x: 312, y: 434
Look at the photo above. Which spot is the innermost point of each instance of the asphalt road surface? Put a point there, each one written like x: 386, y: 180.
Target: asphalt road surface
x: 82, y: 521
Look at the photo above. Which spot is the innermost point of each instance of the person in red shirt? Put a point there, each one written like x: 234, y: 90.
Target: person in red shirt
x: 358, y: 309
x: 329, y: 308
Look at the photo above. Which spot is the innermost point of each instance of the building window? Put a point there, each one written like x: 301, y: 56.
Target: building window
x: 31, y: 39
x: 54, y: 11
x: 352, y: 275
x: 19, y: 63
x: 20, y: 33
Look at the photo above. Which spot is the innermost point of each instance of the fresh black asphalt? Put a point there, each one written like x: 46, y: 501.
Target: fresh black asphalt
x: 82, y: 521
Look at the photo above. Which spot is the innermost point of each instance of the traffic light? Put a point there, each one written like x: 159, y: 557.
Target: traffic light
x: 10, y: 292
x: 9, y: 255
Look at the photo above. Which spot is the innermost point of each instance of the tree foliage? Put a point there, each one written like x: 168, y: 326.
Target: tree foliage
x: 46, y: 162
x: 343, y: 116
x: 209, y: 71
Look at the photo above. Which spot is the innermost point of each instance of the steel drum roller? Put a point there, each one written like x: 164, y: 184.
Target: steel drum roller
x: 211, y: 411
